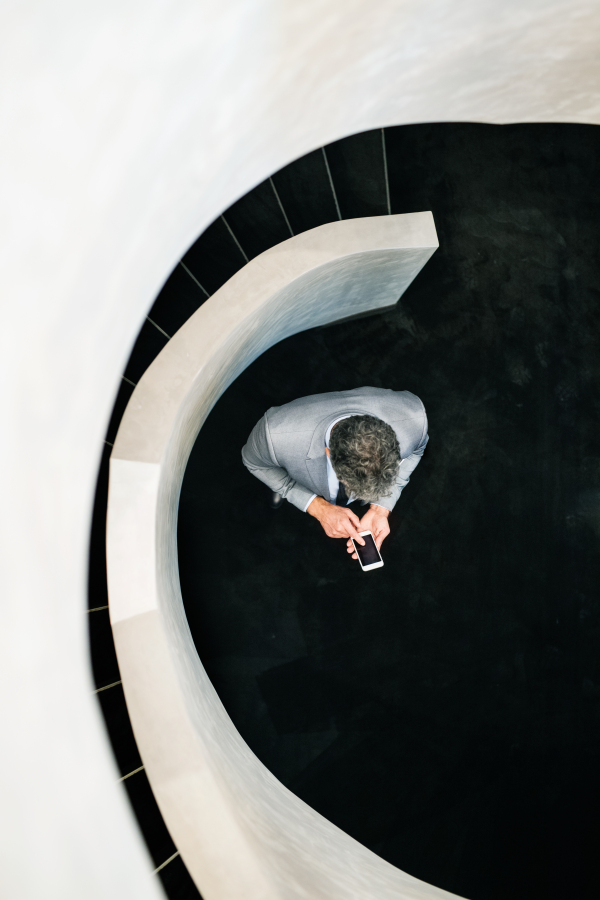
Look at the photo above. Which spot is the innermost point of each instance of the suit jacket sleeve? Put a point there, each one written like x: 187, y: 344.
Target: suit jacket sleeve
x: 259, y: 458
x: 407, y: 467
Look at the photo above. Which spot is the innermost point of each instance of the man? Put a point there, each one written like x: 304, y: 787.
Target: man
x: 324, y: 451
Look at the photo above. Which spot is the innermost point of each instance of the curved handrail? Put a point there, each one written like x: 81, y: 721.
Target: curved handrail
x: 240, y: 832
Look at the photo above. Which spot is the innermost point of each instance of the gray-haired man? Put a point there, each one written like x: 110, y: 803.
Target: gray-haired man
x: 324, y: 451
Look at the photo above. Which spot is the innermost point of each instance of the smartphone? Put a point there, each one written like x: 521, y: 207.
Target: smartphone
x: 368, y: 554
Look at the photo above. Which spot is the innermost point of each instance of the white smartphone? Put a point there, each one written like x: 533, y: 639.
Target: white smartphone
x: 368, y: 554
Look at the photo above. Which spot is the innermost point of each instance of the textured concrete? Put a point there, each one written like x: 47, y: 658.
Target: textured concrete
x: 220, y: 803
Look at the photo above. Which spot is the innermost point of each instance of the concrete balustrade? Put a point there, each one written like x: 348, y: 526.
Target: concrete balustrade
x: 240, y: 832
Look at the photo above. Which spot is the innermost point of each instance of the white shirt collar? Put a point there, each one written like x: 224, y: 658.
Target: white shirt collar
x: 333, y: 482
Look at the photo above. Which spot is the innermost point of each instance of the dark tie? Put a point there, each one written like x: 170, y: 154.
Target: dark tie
x: 342, y: 497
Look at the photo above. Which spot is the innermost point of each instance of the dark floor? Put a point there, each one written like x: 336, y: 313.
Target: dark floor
x: 443, y: 710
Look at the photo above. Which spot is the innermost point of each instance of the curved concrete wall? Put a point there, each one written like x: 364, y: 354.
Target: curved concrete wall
x: 240, y: 832
x: 128, y: 128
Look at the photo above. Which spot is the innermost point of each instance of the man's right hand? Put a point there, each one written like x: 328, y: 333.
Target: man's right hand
x: 337, y: 521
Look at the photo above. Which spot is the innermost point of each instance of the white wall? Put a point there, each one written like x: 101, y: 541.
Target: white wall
x: 127, y: 126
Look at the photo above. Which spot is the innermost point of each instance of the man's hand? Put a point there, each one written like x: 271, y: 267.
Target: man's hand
x: 374, y: 520
x: 337, y: 521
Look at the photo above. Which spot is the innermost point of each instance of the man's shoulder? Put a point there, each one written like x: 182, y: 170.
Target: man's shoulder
x: 303, y: 413
x: 388, y: 404
x: 402, y: 403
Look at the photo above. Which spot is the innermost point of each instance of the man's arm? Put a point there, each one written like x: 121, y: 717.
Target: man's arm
x: 336, y: 521
x: 407, y: 467
x: 259, y: 458
x: 375, y: 519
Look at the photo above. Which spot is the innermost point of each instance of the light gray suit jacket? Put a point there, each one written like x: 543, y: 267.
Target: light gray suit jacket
x: 286, y: 448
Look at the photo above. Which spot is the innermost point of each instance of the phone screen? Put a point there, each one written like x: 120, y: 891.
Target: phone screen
x: 368, y: 554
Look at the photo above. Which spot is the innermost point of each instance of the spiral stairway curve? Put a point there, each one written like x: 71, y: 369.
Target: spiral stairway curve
x: 129, y: 129
x: 349, y: 180
x: 306, y: 195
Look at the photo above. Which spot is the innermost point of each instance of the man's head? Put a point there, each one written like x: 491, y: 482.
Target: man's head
x: 365, y: 455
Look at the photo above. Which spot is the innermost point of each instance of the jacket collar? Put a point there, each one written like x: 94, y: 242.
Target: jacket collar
x: 317, y: 444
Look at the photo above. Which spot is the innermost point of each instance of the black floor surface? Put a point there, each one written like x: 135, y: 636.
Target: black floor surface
x: 443, y: 710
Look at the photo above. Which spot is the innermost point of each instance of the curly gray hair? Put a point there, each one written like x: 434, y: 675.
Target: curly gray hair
x: 365, y: 455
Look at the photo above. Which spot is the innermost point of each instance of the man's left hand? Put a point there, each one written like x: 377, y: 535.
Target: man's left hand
x: 374, y: 520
